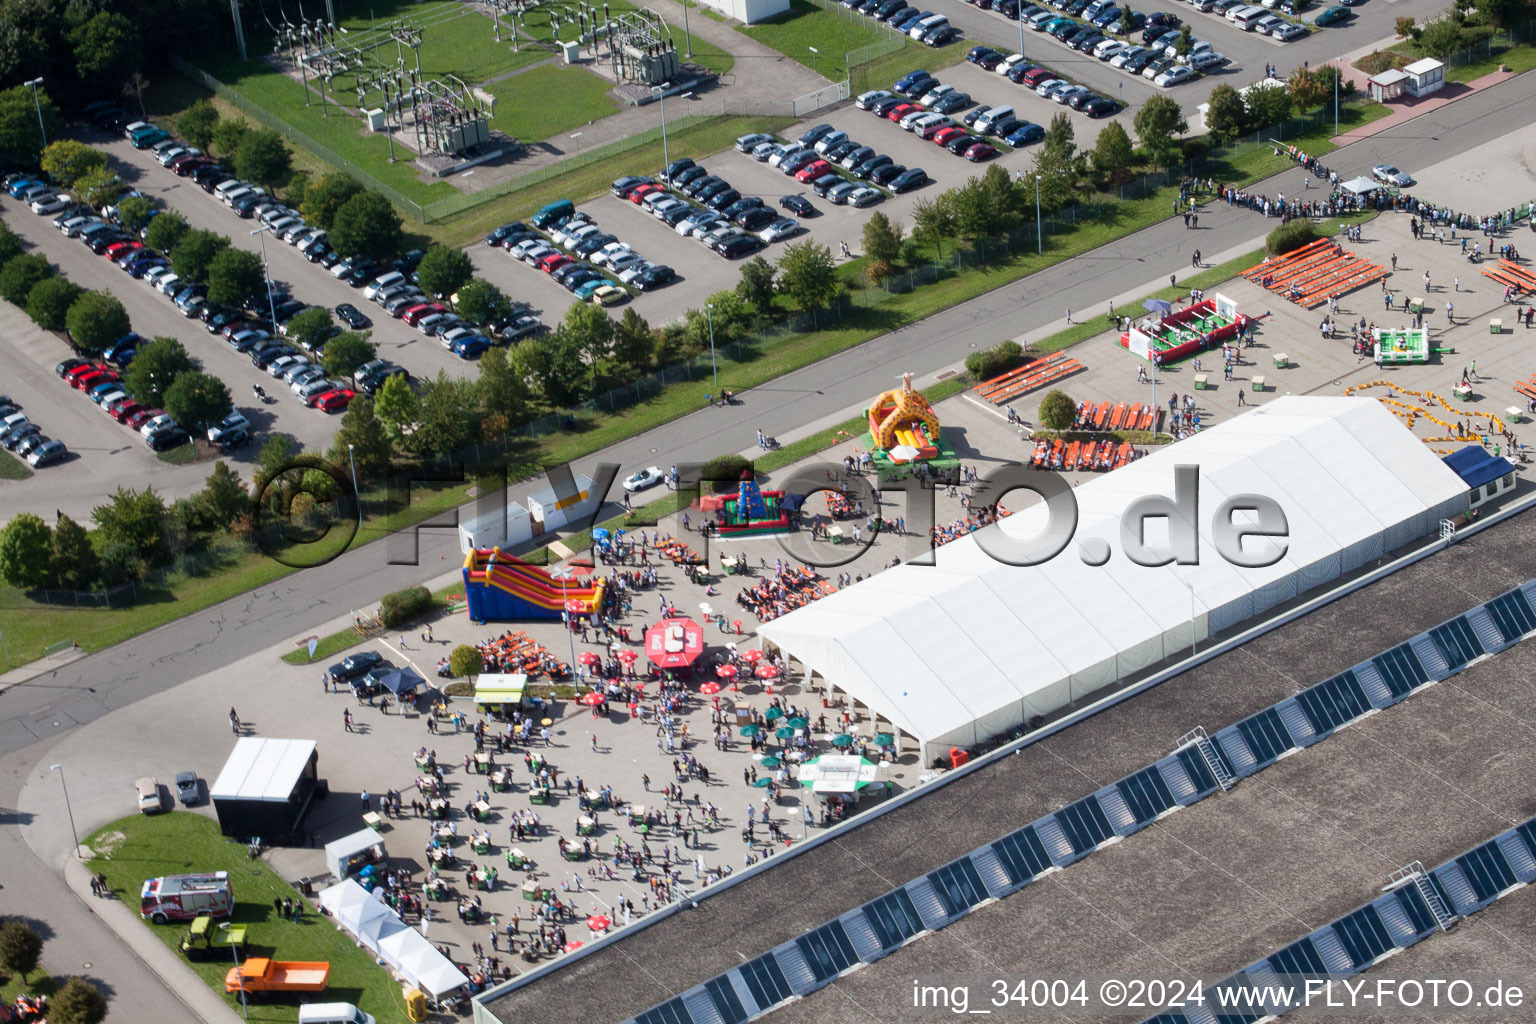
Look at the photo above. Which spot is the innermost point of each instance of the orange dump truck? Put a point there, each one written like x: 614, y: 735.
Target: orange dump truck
x: 260, y: 974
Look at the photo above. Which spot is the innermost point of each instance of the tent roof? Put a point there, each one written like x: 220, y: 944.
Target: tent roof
x: 938, y: 648
x: 1391, y: 76
x: 1361, y: 185
x: 381, y: 930
x: 262, y: 769
x: 1476, y: 466
x: 1424, y: 66
x: 346, y: 846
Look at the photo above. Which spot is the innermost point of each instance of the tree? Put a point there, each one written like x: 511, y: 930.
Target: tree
x: 274, y: 457
x: 1186, y: 39
x: 20, y: 945
x: 107, y: 49
x: 555, y: 362
x: 78, y: 1002
x: 224, y: 497
x: 1441, y: 38
x: 366, y: 225
x: 134, y: 518
x: 481, y: 302
x: 197, y: 123
x: 808, y: 275
x: 397, y: 407
x: 96, y: 320
x: 1227, y: 115
x: 1405, y: 27
x: 20, y: 139
x: 326, y: 196
x: 369, y: 442
x: 73, y: 562
x: 449, y: 412
x: 67, y: 161
x: 136, y: 86
x: 10, y: 245
x: 466, y: 661
x: 1112, y: 153
x: 264, y: 158
x: 1305, y: 88
x: 101, y: 187
x: 756, y: 286
x: 24, y: 546
x: 1269, y: 106
x: 1056, y: 162
x: 49, y: 302
x: 195, y: 253
x: 236, y: 277
x: 590, y: 330
x: 727, y: 314
x: 634, y: 342
x: 346, y: 352
x: 155, y: 368
x: 228, y: 133
x: 135, y: 212
x: 1127, y: 20
x: 933, y: 220
x: 198, y: 399
x: 21, y: 274
x: 310, y: 327
x: 444, y: 270
x: 882, y: 239
x: 1159, y: 123
x: 1506, y: 13
x: 165, y: 230
x: 974, y: 211
x: 1057, y: 411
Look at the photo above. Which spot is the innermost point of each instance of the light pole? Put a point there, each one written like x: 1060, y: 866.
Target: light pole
x: 815, y: 59
x: 355, y: 492
x: 686, y: 33
x: 234, y: 953
x: 1337, y: 74
x: 67, y: 810
x: 563, y: 573
x: 660, y: 92
x: 1039, y: 241
x: 266, y: 272
x: 39, y: 105
x: 1022, y: 5
x: 709, y: 318
x: 1192, y: 649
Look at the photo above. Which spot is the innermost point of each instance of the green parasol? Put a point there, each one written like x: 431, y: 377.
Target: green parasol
x: 798, y: 722
x: 770, y: 762
x: 783, y: 732
x: 842, y: 740
x: 885, y: 739
x: 763, y: 782
x: 774, y: 714
x: 752, y: 730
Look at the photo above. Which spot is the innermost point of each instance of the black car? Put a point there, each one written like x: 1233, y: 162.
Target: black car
x: 354, y: 665
x: 951, y: 102
x: 1088, y: 42
x: 223, y: 319
x: 885, y: 106
x: 867, y: 168
x: 1018, y: 71
x: 496, y: 237
x: 909, y: 180
x: 739, y: 246
x: 673, y: 170
x: 941, y: 36
x: 368, y: 685
x: 720, y: 200
x: 740, y: 206
x: 232, y: 439
x: 410, y: 261
x: 165, y: 440
x: 12, y: 438
x: 979, y: 54
x: 267, y: 355
x: 1100, y: 107
x: 919, y: 87
x: 352, y: 316
x: 887, y: 174
x: 756, y: 218
x: 960, y: 143
x: 566, y: 271
x: 798, y: 205
x: 69, y: 364
x: 651, y: 278
x: 824, y: 184
x: 699, y: 188
x: 687, y: 175
x: 581, y: 277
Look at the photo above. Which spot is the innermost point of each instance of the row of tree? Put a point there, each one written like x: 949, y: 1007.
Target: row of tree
x: 1232, y: 114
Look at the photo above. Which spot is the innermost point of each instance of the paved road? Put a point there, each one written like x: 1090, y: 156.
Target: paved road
x: 39, y: 711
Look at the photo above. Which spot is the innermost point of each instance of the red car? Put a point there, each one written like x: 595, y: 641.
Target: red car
x: 86, y: 381
x: 553, y: 262
x: 335, y: 401
x: 416, y: 314
x: 140, y: 417
x: 83, y: 369
x: 116, y: 249
x: 901, y: 110
x: 643, y: 191
x: 1034, y: 78
x: 124, y: 410
x: 943, y: 136
x: 812, y: 171
x: 979, y: 152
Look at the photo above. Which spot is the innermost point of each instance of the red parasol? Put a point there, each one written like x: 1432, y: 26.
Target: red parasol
x: 674, y: 643
x: 725, y: 671
x: 598, y: 922
x: 573, y: 945
x: 627, y: 657
x: 753, y: 656
x: 767, y: 672
x: 589, y: 658
x: 591, y: 700
x: 709, y: 688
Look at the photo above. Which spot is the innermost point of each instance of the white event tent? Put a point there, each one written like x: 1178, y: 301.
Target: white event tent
x: 972, y: 647
x: 396, y: 943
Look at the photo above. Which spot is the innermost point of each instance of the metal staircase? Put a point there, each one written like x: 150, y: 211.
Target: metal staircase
x: 1413, y: 874
x: 1197, y: 738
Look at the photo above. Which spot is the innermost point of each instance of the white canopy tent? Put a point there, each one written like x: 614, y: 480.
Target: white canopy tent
x: 972, y: 647
x: 1360, y: 186
x: 380, y: 929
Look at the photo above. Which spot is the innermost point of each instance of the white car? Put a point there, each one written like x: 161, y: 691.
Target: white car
x: 1108, y: 48
x: 1389, y: 174
x: 909, y: 121
x: 572, y: 238
x: 169, y: 156
x: 605, y: 256
x: 628, y: 274
x: 449, y: 337
x: 864, y: 196
x: 318, y: 386
x: 297, y: 380
x: 648, y: 477
x: 1126, y: 55
x: 784, y: 227
x: 788, y: 153
x: 1174, y: 75
x: 522, y: 249
x: 763, y: 152
x: 1194, y: 51
x: 278, y: 367
x: 1045, y: 87
x: 51, y: 204
x: 1008, y: 63
x: 161, y: 422
x: 625, y: 261
x: 935, y: 94
x: 234, y: 421
x: 168, y: 283
x: 869, y: 99
x: 1203, y: 61
x: 1286, y: 32
x: 666, y: 206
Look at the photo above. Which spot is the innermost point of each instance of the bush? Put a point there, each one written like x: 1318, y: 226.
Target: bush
x: 722, y: 473
x: 1290, y: 237
x: 20, y: 947
x: 988, y: 363
x: 1057, y: 410
x: 78, y: 1002
x: 466, y: 661
x: 402, y: 606
x: 1381, y: 60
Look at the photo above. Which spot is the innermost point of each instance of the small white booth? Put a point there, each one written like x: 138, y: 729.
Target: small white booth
x: 504, y: 529
x: 349, y: 854
x: 551, y: 510
x: 749, y: 12
x: 1425, y: 76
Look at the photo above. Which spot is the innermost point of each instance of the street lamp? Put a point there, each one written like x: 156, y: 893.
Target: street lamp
x: 688, y: 35
x: 1039, y: 241
x: 709, y: 318
x: 1191, y: 586
x: 1022, y: 5
x: 234, y: 953
x: 660, y: 92
x: 60, y: 769
x: 1337, y: 74
x: 814, y: 58
x: 564, y: 574
x: 357, y: 494
x: 266, y: 272
x: 39, y: 105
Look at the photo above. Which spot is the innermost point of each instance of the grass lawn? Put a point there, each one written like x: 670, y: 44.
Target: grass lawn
x: 883, y: 71
x: 807, y: 25
x: 549, y: 100
x: 455, y: 38
x: 1520, y: 58
x: 133, y: 849
x: 12, y: 468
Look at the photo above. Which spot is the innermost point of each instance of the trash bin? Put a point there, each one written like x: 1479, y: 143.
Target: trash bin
x: 306, y: 887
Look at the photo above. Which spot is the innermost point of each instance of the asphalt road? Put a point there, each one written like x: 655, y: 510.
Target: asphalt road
x: 34, y: 713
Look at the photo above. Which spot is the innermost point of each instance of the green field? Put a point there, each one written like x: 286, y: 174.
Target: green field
x: 549, y: 100
x: 807, y: 25
x: 133, y: 849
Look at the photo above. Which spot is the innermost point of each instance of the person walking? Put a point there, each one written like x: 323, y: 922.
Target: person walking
x: 346, y: 718
x: 1069, y: 315
x: 1455, y: 284
x: 1242, y: 398
x: 234, y: 722
x: 1450, y: 312
x: 367, y: 802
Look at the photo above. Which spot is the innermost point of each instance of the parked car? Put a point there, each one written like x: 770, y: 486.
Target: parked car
x: 1333, y: 15
x: 1390, y: 175
x: 46, y: 454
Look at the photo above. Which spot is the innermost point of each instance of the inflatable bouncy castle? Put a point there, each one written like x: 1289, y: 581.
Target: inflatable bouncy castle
x: 503, y: 588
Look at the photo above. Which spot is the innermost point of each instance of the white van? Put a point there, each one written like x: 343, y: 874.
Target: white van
x: 333, y: 1013
x: 926, y: 25
x: 1250, y: 17
x: 995, y: 116
x: 382, y: 282
x: 1241, y: 10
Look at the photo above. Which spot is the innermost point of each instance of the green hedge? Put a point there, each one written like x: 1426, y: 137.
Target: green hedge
x: 1290, y: 237
x: 400, y: 607
x: 994, y: 361
x: 724, y: 472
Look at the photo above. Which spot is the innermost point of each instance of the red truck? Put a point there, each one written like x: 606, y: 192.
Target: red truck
x: 260, y: 974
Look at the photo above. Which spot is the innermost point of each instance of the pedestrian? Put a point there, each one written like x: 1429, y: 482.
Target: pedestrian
x: 234, y: 722
x: 1173, y: 281
x: 1394, y: 261
x: 346, y: 718
x: 594, y: 742
x: 1472, y: 369
x: 1450, y: 312
x: 1455, y: 284
x: 1069, y: 315
x: 367, y: 802
x: 1242, y: 398
x: 402, y: 643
